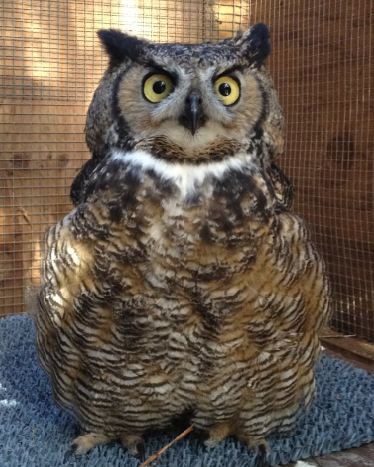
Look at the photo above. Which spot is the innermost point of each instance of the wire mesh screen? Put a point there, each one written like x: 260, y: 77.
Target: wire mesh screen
x: 322, y: 66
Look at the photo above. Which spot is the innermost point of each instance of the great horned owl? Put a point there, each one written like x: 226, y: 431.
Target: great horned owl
x: 181, y: 280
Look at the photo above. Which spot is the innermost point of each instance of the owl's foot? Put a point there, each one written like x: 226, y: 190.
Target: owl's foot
x: 134, y: 444
x: 217, y: 433
x: 261, y: 460
x: 84, y: 443
x: 259, y: 446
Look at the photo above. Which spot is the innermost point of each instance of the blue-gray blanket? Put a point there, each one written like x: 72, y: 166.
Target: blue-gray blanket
x: 35, y: 432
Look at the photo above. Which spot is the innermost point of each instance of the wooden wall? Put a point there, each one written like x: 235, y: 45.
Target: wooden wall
x: 322, y: 67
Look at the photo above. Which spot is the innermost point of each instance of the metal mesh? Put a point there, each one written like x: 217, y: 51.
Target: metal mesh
x: 51, y: 62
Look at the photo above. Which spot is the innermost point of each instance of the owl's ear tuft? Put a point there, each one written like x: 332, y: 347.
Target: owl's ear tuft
x: 120, y: 46
x: 255, y: 44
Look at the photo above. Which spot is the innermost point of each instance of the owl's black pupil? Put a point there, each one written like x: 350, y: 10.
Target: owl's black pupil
x: 224, y: 89
x: 159, y: 87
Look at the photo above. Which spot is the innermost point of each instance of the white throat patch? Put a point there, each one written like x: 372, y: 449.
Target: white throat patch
x: 187, y: 177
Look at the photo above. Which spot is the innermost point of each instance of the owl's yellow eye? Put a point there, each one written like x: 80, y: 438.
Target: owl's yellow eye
x: 157, y: 87
x: 227, y: 89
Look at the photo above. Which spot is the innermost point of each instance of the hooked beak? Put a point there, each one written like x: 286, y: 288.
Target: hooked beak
x: 193, y: 116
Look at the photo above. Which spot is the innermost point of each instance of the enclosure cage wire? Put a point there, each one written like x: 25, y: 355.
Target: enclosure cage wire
x: 51, y: 62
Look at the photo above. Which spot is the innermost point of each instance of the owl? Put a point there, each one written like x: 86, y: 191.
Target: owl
x: 181, y: 281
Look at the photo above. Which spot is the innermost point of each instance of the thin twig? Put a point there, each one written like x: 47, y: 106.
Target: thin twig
x: 155, y: 456
x: 25, y: 214
x: 337, y: 336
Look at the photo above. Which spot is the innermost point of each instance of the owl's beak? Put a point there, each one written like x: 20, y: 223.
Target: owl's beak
x: 193, y: 116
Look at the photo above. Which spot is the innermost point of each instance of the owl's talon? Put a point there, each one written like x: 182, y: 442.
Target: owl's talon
x: 69, y: 453
x: 210, y: 443
x: 261, y: 457
x: 134, y: 445
x: 140, y: 448
x: 217, y: 433
x: 82, y: 444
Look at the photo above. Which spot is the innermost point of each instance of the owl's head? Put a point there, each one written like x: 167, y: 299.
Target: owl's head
x: 184, y: 101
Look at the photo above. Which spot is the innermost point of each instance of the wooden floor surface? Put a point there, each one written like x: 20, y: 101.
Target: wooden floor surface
x: 358, y: 457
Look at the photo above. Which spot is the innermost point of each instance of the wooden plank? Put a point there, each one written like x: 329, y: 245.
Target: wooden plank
x: 356, y: 457
x: 350, y: 347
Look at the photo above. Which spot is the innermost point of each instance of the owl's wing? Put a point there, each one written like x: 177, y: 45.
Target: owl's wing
x: 81, y: 179
x: 281, y: 186
x: 88, y: 178
x: 75, y: 277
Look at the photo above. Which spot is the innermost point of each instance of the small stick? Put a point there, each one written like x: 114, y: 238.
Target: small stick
x: 337, y: 336
x: 24, y: 214
x: 155, y: 456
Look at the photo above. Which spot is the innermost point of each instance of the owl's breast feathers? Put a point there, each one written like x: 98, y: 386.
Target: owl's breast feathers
x: 161, y: 294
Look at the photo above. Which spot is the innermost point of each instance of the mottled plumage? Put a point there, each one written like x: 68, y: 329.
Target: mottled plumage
x: 181, y: 281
